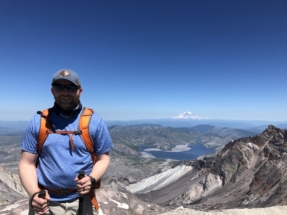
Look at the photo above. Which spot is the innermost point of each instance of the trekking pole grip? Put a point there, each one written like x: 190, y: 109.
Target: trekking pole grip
x: 81, y: 174
x: 42, y: 194
x: 81, y: 198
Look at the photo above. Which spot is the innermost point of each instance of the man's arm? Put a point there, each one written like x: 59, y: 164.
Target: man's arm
x: 27, y: 172
x: 29, y: 180
x: 101, y: 166
x: 99, y: 169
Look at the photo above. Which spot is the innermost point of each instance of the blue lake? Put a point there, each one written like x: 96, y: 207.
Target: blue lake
x: 195, y: 151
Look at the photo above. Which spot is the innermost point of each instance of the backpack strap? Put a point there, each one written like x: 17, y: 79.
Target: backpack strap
x: 44, y: 129
x: 85, y: 133
x: 86, y: 137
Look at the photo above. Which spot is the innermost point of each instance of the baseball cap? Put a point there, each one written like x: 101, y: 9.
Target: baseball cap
x: 67, y: 74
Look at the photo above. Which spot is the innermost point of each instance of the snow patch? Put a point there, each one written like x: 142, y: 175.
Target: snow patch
x: 146, y: 155
x: 100, y: 212
x: 25, y: 212
x: 180, y: 148
x: 152, y: 149
x: 119, y: 205
x: 124, y: 195
x: 160, y: 180
x: 9, y: 207
x: 188, y: 115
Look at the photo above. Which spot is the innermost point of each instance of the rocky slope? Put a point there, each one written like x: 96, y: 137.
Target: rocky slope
x: 10, y: 151
x: 112, y: 196
x: 248, y: 172
x: 10, y: 187
x: 276, y: 210
x: 111, y: 200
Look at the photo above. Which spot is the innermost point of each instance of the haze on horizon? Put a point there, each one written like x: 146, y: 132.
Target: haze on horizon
x: 147, y: 59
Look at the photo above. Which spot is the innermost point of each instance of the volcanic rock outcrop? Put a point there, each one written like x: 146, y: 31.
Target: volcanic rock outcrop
x: 248, y: 172
x: 10, y: 187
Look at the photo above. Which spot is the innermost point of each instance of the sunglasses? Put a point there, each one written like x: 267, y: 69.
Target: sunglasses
x: 70, y: 88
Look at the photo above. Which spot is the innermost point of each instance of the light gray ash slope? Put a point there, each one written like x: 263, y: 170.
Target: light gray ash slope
x: 248, y: 172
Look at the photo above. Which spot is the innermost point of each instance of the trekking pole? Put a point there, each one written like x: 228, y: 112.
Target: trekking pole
x: 42, y: 194
x: 81, y: 198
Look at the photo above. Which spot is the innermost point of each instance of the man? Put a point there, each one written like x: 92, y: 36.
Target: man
x: 63, y: 155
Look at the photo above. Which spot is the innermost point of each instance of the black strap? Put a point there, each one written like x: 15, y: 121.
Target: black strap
x: 32, y: 197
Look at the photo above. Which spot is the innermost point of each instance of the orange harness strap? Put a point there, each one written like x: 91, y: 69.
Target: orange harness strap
x: 66, y: 132
x: 85, y: 133
x: 45, y: 131
x: 84, y: 128
x: 94, y: 200
x: 44, y: 127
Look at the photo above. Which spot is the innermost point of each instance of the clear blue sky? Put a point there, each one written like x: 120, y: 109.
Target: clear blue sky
x: 146, y: 59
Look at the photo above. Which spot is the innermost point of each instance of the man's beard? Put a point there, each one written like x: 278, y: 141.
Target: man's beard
x: 67, y: 106
x: 74, y: 109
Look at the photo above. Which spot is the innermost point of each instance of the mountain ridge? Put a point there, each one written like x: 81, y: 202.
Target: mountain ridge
x: 258, y: 125
x: 247, y: 172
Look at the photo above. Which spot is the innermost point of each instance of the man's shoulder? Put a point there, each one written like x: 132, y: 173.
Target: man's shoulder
x: 34, y: 123
x: 94, y: 115
x: 35, y: 118
x: 96, y: 120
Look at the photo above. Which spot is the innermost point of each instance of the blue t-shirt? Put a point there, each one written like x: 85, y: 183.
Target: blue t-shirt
x: 58, y: 163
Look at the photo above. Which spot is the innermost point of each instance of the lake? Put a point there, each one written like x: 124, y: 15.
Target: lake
x: 195, y: 151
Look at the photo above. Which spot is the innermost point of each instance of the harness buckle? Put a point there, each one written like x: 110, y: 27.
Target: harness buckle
x: 63, y: 192
x: 79, y: 132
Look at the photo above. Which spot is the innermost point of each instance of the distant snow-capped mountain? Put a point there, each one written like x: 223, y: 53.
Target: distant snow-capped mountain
x: 188, y: 115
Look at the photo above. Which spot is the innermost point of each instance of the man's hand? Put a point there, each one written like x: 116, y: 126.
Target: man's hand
x: 40, y: 204
x: 84, y: 185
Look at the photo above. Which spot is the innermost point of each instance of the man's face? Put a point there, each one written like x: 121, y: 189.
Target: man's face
x: 66, y: 99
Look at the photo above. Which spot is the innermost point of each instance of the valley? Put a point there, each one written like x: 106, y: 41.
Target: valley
x: 234, y: 177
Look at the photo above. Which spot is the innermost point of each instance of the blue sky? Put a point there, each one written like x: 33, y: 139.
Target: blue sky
x: 147, y: 59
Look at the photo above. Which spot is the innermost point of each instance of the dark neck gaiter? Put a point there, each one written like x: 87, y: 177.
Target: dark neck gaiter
x: 69, y: 113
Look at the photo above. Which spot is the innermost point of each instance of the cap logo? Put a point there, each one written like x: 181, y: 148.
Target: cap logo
x: 64, y: 73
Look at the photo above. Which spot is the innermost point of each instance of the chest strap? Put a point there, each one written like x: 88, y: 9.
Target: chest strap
x: 72, y: 145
